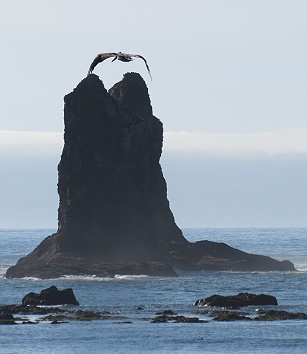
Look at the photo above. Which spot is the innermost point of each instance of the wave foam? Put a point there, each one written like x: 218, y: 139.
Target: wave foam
x: 96, y: 278
x: 301, y: 267
x: 131, y: 277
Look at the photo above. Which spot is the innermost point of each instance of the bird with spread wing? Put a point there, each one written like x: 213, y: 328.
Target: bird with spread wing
x: 119, y: 56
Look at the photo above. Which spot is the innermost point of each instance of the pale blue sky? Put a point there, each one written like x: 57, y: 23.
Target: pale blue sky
x: 229, y: 84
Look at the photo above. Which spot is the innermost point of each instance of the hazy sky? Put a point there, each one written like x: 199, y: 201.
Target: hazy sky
x: 229, y: 84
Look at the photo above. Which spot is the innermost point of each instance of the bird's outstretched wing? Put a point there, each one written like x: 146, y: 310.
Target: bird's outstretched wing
x: 147, y: 67
x: 98, y: 59
x: 121, y: 56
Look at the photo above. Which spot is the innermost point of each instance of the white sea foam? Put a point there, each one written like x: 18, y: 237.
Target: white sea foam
x: 96, y: 278
x: 3, y: 271
x: 130, y: 277
x: 72, y: 278
x: 301, y: 267
x: 80, y: 277
x: 85, y: 277
x: 32, y: 279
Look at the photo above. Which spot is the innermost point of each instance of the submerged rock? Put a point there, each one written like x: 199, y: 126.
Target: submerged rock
x: 178, y: 319
x: 231, y: 316
x: 271, y: 315
x: 236, y: 301
x: 167, y: 312
x: 280, y: 315
x: 114, y: 215
x: 81, y: 316
x: 29, y: 309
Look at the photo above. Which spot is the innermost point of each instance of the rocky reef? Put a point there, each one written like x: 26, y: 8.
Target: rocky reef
x: 114, y: 215
x: 22, y: 313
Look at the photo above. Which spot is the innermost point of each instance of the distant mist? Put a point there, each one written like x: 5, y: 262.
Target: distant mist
x: 204, y: 190
x: 207, y: 191
x: 28, y: 192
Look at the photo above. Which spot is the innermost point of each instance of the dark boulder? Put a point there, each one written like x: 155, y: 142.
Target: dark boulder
x: 6, y: 318
x: 236, y: 301
x: 51, y: 296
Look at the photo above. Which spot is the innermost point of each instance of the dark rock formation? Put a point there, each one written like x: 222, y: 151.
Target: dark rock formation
x: 114, y: 216
x: 271, y: 315
x: 72, y: 265
x: 208, y: 255
x: 6, y: 318
x: 167, y: 312
x: 81, y: 316
x: 113, y: 205
x: 29, y: 309
x: 236, y: 301
x: 281, y: 315
x: 51, y: 296
x: 231, y: 316
x: 178, y: 319
x: 217, y: 312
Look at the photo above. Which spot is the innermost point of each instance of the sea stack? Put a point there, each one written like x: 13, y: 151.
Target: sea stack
x: 113, y: 203
x: 114, y: 215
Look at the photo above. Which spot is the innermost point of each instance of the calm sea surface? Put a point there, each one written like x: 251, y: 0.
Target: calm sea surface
x: 139, y: 298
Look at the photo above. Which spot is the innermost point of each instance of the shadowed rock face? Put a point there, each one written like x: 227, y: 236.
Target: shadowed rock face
x: 114, y: 216
x: 112, y: 191
x: 51, y: 296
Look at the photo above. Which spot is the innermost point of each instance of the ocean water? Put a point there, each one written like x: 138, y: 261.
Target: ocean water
x: 138, y: 298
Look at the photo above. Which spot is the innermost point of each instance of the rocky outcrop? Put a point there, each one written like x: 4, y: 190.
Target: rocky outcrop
x: 23, y: 313
x: 51, y: 296
x: 7, y: 318
x: 114, y: 216
x: 280, y: 315
x: 231, y: 316
x: 208, y: 255
x: 29, y: 309
x: 255, y: 315
x: 236, y: 301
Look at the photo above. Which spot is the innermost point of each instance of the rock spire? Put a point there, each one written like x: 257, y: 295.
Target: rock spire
x: 114, y: 215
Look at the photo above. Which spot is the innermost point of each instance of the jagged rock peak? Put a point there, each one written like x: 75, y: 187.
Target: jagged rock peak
x: 132, y: 91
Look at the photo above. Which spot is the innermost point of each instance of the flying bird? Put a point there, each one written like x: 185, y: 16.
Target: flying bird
x: 119, y: 56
